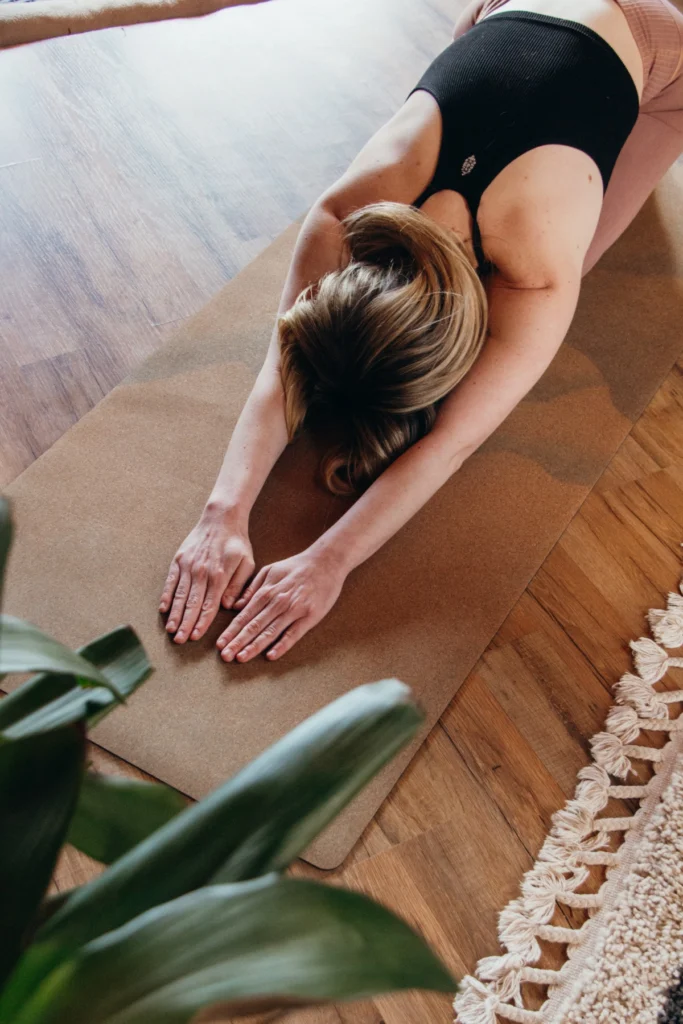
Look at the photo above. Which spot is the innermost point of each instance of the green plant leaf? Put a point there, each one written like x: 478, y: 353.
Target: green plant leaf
x: 25, y: 648
x: 75, y: 706
x: 49, y: 699
x: 251, y: 945
x: 5, y: 539
x: 39, y: 781
x: 114, y: 814
x: 258, y: 821
x: 51, y: 905
x: 35, y: 693
x: 255, y: 823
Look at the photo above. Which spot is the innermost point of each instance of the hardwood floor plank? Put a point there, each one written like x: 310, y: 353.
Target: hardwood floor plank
x: 601, y: 630
x: 450, y: 881
x: 523, y: 698
x: 432, y: 791
x: 499, y: 756
x: 660, y: 431
x: 527, y: 616
x: 633, y: 462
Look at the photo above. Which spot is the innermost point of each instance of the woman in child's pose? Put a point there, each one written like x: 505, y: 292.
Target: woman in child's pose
x: 432, y: 285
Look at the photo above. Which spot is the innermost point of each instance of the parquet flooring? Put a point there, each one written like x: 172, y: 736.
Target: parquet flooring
x: 141, y: 168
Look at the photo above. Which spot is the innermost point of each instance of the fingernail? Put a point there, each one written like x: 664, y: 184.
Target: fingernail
x: 195, y: 634
x: 220, y: 644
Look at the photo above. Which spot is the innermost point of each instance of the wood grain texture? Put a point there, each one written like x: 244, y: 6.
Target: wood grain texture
x: 141, y: 169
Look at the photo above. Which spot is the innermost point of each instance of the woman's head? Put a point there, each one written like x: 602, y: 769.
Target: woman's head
x: 380, y: 342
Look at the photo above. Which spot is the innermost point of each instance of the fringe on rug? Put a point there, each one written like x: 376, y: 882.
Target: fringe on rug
x: 578, y: 835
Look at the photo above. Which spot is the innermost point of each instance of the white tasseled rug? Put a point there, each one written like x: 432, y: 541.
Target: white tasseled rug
x: 623, y: 871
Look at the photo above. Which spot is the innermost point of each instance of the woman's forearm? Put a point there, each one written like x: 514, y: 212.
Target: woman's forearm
x: 298, y: 591
x: 260, y: 434
x: 401, y: 490
x: 527, y: 327
x: 256, y: 444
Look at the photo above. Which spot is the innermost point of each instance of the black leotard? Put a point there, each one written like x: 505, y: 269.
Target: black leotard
x: 518, y: 80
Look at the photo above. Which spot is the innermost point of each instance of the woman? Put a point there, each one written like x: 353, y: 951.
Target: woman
x: 432, y: 285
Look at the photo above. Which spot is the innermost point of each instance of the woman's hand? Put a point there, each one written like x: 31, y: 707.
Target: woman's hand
x: 210, y: 568
x: 284, y: 600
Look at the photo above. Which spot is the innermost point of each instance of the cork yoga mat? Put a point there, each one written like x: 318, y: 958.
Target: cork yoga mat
x: 100, y: 515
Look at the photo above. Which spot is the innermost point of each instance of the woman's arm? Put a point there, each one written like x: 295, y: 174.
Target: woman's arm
x: 260, y: 434
x: 391, y: 166
x: 215, y: 560
x: 468, y: 18
x: 526, y: 328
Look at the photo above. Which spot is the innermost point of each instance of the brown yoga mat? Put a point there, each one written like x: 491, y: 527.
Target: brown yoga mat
x: 100, y: 515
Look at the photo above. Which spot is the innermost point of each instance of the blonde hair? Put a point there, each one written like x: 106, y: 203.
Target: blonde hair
x: 383, y: 340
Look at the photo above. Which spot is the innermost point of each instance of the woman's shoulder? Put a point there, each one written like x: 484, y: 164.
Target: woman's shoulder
x: 540, y: 213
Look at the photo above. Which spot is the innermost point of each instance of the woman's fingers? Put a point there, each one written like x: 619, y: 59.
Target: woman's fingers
x: 193, y: 607
x: 266, y: 637
x: 289, y: 638
x: 214, y: 560
x: 240, y: 577
x: 257, y: 603
x: 169, y: 587
x: 178, y: 607
x: 246, y: 597
x: 199, y: 596
x: 241, y: 635
x: 218, y: 594
x: 209, y: 608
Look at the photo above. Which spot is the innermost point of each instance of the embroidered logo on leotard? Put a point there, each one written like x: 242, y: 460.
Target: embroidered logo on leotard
x: 468, y: 165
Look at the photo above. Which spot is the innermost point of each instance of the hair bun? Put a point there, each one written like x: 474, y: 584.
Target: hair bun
x: 389, y: 233
x: 334, y: 472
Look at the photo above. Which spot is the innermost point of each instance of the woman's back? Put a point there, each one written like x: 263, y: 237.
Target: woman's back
x: 519, y: 124
x: 606, y: 17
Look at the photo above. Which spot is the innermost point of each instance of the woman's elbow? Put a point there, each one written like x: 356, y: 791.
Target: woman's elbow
x: 458, y: 457
x: 447, y: 454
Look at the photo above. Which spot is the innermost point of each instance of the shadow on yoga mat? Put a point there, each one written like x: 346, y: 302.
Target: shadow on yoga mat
x: 100, y: 515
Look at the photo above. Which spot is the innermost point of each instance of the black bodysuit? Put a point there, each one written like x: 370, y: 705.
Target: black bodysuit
x: 518, y: 80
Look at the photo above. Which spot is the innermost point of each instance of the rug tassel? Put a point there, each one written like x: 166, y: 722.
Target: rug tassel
x: 651, y: 660
x: 475, y: 1003
x: 667, y: 626
x: 506, y: 971
x: 517, y: 931
x: 624, y: 722
x: 610, y: 753
x: 632, y: 689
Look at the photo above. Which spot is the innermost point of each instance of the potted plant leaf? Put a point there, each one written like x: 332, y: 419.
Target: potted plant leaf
x: 194, y: 909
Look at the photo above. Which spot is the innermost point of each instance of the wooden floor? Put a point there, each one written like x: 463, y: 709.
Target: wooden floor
x: 140, y: 169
